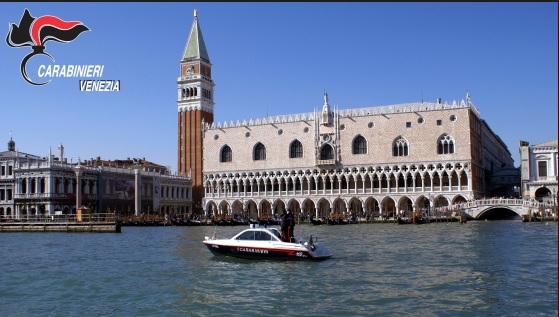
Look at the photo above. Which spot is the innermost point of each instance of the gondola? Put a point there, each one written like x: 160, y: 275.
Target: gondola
x: 240, y: 222
x: 335, y: 221
x: 194, y: 222
x: 413, y: 220
x: 317, y: 222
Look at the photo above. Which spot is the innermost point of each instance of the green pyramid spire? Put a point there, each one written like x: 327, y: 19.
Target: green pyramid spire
x: 195, y: 47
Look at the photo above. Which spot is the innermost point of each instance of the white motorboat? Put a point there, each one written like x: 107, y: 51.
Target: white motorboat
x: 266, y: 243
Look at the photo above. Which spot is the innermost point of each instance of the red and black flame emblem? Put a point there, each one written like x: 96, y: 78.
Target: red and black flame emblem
x: 35, y: 32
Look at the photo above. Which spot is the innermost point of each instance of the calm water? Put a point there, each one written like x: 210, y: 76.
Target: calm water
x: 490, y: 268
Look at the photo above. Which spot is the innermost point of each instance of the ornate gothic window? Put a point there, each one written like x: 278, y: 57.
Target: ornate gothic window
x: 400, y: 147
x: 226, y: 154
x: 296, y: 149
x: 359, y: 145
x: 327, y: 153
x: 445, y: 145
x: 259, y: 152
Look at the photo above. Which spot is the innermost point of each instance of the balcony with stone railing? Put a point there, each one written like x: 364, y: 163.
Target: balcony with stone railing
x: 323, y: 163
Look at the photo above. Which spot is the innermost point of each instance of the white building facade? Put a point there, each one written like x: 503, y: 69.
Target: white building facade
x: 374, y: 161
x: 34, y: 185
x: 539, y: 170
x: 8, y: 161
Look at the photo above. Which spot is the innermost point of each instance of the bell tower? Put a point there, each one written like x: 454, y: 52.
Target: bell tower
x: 195, y: 107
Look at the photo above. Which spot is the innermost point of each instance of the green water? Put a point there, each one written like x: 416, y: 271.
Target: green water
x: 482, y: 268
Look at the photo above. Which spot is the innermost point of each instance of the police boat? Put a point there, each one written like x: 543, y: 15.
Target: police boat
x: 266, y: 244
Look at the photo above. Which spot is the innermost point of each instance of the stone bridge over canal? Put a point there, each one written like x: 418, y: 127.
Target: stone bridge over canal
x: 477, y: 208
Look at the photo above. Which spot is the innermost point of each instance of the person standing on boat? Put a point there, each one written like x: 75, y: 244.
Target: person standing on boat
x: 290, y: 225
x: 284, y: 226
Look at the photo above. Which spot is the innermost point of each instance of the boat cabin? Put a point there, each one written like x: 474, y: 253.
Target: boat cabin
x: 269, y: 234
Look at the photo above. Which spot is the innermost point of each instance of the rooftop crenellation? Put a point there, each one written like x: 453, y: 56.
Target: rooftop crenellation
x: 356, y: 112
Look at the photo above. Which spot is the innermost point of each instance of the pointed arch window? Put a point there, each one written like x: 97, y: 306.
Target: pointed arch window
x: 226, y: 154
x: 400, y: 147
x: 259, y: 152
x: 445, y: 144
x: 296, y: 149
x: 359, y: 145
x: 327, y: 152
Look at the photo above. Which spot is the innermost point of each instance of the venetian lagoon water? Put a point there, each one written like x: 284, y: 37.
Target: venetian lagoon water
x: 481, y: 268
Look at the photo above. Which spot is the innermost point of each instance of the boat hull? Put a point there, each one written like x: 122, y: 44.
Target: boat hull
x: 296, y: 252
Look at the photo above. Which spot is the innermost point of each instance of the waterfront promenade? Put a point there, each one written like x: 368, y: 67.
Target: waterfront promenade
x: 102, y: 222
x: 528, y: 211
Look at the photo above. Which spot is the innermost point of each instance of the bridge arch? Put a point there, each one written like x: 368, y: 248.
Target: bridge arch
x: 498, y: 208
x: 491, y: 210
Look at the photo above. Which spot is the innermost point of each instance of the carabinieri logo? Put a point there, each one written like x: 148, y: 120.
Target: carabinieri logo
x: 35, y: 32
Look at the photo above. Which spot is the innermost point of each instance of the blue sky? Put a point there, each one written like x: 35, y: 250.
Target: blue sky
x: 279, y: 58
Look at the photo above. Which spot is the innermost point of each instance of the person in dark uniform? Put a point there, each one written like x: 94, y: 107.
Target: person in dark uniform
x: 290, y: 225
x: 284, y: 226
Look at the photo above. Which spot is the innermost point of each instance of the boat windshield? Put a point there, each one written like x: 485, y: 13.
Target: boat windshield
x: 259, y: 235
x: 276, y: 232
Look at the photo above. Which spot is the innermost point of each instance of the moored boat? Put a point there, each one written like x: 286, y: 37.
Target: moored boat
x: 240, y: 222
x: 317, y: 222
x: 195, y: 222
x: 413, y: 220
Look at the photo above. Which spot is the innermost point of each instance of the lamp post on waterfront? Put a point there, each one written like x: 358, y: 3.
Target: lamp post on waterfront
x: 78, y: 169
x: 430, y: 206
x: 137, y: 187
x: 516, y: 190
x: 554, y: 210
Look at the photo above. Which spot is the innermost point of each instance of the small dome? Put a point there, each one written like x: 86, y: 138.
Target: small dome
x: 11, y: 145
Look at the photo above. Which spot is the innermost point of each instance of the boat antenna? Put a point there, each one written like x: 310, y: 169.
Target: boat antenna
x: 213, y: 236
